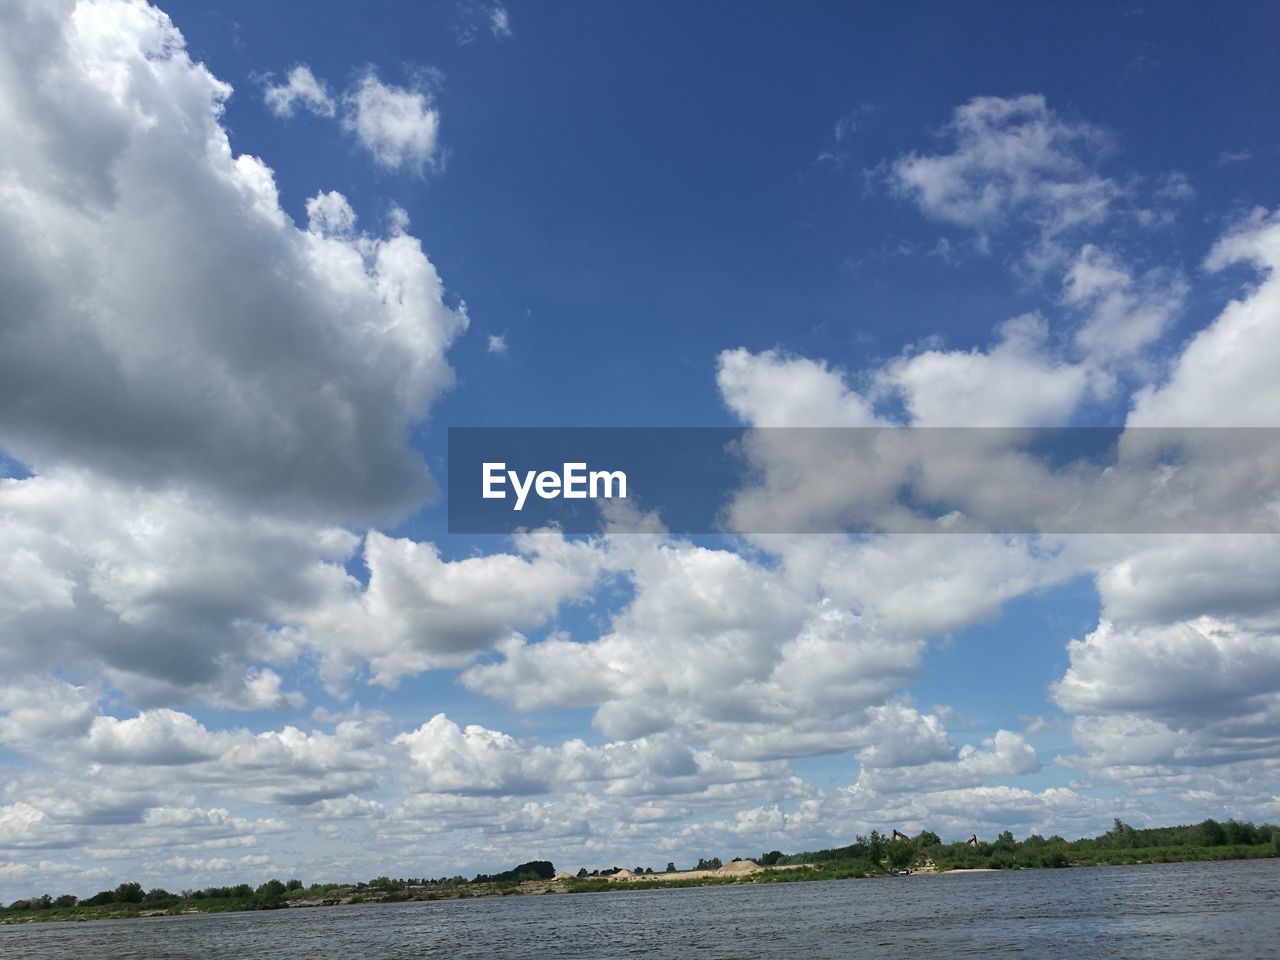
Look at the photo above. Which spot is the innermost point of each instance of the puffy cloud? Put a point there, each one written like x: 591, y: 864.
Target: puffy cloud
x: 834, y: 479
x: 301, y: 87
x: 1166, y: 579
x: 1123, y: 314
x: 173, y: 598
x: 770, y: 389
x: 1194, y: 700
x: 912, y: 586
x: 714, y: 648
x: 555, y: 672
x: 476, y: 760
x: 1013, y: 159
x: 25, y: 826
x: 329, y: 214
x: 905, y: 738
x: 288, y: 766
x: 33, y: 714
x: 419, y: 611
x: 397, y: 125
x: 702, y: 623
x: 155, y: 738
x: 1013, y: 384
x: 480, y: 761
x: 167, y: 321
x: 162, y: 589
x: 1224, y: 377
x: 1003, y: 755
x: 1179, y: 680
x: 1185, y: 671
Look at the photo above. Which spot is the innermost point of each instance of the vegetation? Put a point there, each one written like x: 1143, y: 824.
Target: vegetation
x: 1209, y: 840
x: 872, y: 855
x: 533, y: 870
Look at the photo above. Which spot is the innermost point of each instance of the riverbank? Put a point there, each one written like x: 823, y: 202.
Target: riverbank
x: 871, y: 856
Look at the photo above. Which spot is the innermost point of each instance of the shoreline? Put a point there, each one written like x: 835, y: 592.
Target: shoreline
x: 748, y: 873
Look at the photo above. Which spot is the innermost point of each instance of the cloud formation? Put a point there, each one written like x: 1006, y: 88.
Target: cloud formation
x: 300, y: 88
x: 168, y: 322
x: 212, y: 409
x: 398, y: 126
x: 1013, y: 159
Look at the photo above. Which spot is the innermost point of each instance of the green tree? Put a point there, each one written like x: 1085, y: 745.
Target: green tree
x: 1121, y: 836
x: 129, y: 893
x: 1212, y: 834
x: 875, y: 846
x: 272, y: 890
x: 900, y: 853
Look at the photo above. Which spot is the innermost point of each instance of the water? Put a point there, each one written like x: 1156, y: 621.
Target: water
x: 1166, y: 911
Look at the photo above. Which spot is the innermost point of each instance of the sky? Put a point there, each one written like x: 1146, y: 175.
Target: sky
x: 256, y: 259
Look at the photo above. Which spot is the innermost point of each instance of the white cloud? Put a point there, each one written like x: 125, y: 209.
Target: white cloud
x: 330, y: 215
x: 1123, y: 314
x: 24, y: 826
x: 303, y: 88
x: 158, y: 737
x: 1162, y: 580
x: 36, y: 713
x: 1003, y: 755
x: 162, y: 589
x: 1013, y: 384
x: 288, y: 766
x: 1014, y: 160
x: 1225, y: 377
x: 715, y: 649
x: 170, y: 323
x: 480, y: 761
x: 770, y: 389
x: 397, y: 125
x: 497, y: 343
x: 912, y: 586
x: 419, y: 612
x: 1196, y: 701
x: 1185, y: 670
x: 499, y: 22
x: 476, y: 760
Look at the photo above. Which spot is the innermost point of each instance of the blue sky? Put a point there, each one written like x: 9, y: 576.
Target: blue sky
x: 236, y: 638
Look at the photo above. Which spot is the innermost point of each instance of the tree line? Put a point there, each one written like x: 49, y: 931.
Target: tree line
x: 867, y: 855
